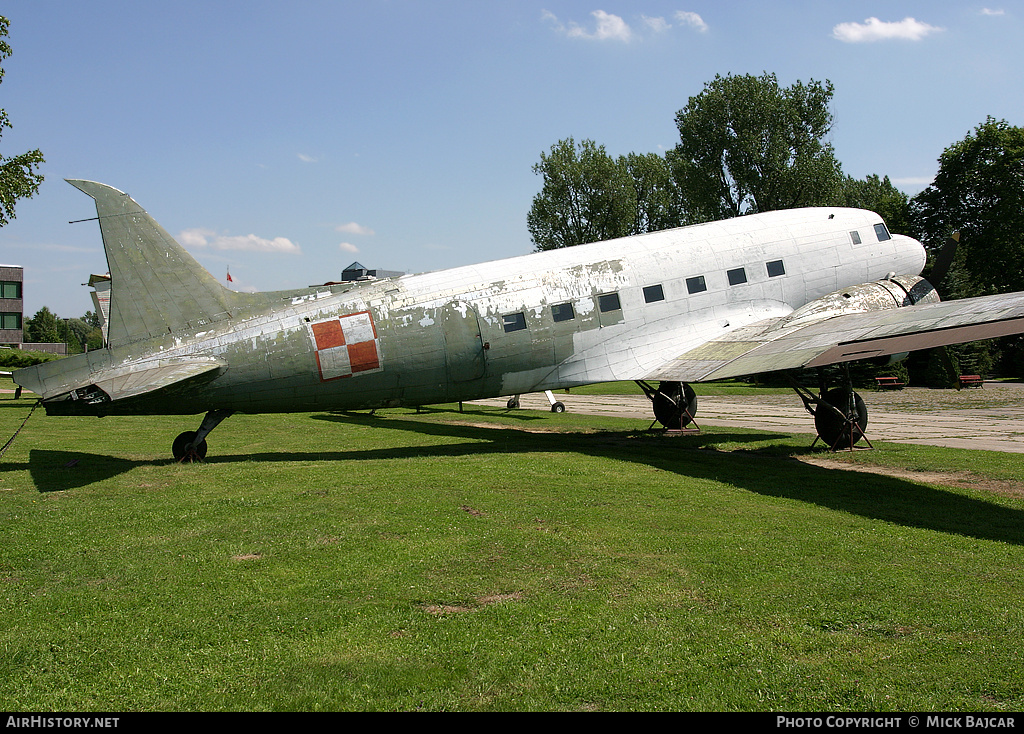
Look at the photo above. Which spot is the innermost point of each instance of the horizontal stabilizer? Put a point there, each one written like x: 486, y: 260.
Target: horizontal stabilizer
x: 54, y: 379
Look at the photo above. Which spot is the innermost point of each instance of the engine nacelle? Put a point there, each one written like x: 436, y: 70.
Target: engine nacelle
x: 895, y: 291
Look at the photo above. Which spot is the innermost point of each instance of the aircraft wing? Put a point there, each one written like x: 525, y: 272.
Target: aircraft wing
x: 781, y: 344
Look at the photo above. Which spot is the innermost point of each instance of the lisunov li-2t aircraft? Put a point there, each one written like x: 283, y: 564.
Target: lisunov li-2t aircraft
x: 785, y: 290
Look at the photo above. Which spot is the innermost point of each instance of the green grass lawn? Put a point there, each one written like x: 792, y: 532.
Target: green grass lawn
x: 495, y: 560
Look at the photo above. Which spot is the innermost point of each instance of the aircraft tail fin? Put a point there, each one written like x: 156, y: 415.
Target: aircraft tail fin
x: 156, y: 287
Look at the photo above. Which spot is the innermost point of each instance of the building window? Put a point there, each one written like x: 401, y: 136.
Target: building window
x: 10, y: 289
x: 776, y: 268
x: 882, y: 232
x: 737, y: 276
x: 855, y: 237
x: 608, y: 302
x: 10, y: 320
x: 515, y: 322
x: 563, y: 312
x: 696, y: 284
x: 654, y: 293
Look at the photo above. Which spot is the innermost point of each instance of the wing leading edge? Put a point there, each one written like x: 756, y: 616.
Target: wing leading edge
x: 775, y: 344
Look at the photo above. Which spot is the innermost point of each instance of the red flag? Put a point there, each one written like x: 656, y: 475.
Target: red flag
x: 230, y: 279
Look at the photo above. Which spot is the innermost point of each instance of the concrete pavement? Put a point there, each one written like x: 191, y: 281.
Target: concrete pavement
x: 991, y: 417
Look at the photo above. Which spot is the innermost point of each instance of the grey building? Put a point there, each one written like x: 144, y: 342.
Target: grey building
x: 12, y: 278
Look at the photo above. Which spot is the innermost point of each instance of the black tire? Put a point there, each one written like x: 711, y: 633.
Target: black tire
x: 512, y: 403
x: 558, y: 407
x: 675, y: 404
x: 842, y: 419
x: 179, y: 449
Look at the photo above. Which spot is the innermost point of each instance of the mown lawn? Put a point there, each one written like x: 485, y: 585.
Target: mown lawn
x: 495, y: 560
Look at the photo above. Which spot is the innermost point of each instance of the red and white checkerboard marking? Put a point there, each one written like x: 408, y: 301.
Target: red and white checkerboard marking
x: 346, y: 346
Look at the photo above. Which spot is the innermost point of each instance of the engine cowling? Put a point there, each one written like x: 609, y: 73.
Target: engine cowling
x: 895, y: 291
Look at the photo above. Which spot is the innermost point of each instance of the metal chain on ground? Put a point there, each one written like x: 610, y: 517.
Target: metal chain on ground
x: 11, y: 439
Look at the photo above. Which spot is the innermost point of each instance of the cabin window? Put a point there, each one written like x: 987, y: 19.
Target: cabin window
x: 654, y: 293
x: 737, y: 276
x: 696, y: 284
x: 608, y: 302
x: 776, y: 268
x: 563, y: 312
x: 515, y: 322
x: 882, y: 232
x: 855, y: 237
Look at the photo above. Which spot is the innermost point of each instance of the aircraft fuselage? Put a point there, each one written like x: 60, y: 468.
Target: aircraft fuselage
x: 592, y: 313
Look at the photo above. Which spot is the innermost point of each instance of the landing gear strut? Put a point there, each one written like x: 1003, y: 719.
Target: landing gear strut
x: 840, y: 415
x: 190, y: 446
x: 675, y: 404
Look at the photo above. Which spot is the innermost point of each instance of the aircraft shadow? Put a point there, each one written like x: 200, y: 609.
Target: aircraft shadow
x: 869, y: 495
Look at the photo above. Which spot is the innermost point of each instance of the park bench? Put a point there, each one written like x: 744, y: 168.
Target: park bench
x: 888, y: 383
x: 970, y: 381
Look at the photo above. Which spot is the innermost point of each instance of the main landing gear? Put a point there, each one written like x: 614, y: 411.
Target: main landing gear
x: 674, y: 403
x: 190, y: 446
x: 840, y: 415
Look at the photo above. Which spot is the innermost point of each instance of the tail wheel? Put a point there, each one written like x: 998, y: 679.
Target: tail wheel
x: 675, y: 404
x: 841, y: 417
x: 180, y: 448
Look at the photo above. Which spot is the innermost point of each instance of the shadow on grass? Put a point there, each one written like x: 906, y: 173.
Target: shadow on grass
x: 771, y: 472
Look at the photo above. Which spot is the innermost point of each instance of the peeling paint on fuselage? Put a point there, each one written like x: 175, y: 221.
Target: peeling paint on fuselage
x: 442, y: 337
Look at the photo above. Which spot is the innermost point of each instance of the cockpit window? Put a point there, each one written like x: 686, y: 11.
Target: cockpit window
x: 882, y: 232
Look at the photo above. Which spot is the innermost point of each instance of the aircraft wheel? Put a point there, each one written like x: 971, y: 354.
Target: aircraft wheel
x: 512, y: 403
x: 558, y: 407
x: 845, y: 427
x: 675, y: 404
x: 179, y: 448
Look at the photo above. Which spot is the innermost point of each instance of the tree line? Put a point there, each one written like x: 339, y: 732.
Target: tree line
x: 748, y: 145
x: 80, y: 334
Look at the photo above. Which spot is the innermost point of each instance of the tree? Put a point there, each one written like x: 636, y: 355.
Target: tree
x: 42, y: 328
x: 655, y: 195
x: 880, y: 196
x: 748, y: 145
x: 586, y: 197
x: 18, y: 177
x: 979, y: 191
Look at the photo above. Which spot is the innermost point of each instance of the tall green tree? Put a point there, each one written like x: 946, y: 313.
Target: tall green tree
x: 747, y: 145
x: 43, y: 328
x: 586, y: 197
x: 979, y: 191
x: 19, y: 178
x: 877, y: 194
x: 589, y: 196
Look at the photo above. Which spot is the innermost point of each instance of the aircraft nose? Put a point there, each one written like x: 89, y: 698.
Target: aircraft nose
x: 912, y: 253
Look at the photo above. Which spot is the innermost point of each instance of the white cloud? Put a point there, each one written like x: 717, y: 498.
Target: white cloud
x: 199, y: 237
x: 306, y: 158
x: 991, y: 11
x: 353, y: 228
x: 658, y: 25
x: 693, y: 20
x: 348, y: 247
x: 608, y: 27
x: 874, y: 29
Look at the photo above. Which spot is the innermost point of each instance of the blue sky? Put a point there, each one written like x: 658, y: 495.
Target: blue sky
x: 284, y: 140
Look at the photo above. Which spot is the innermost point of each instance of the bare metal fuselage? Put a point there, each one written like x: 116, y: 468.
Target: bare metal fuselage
x: 499, y: 328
